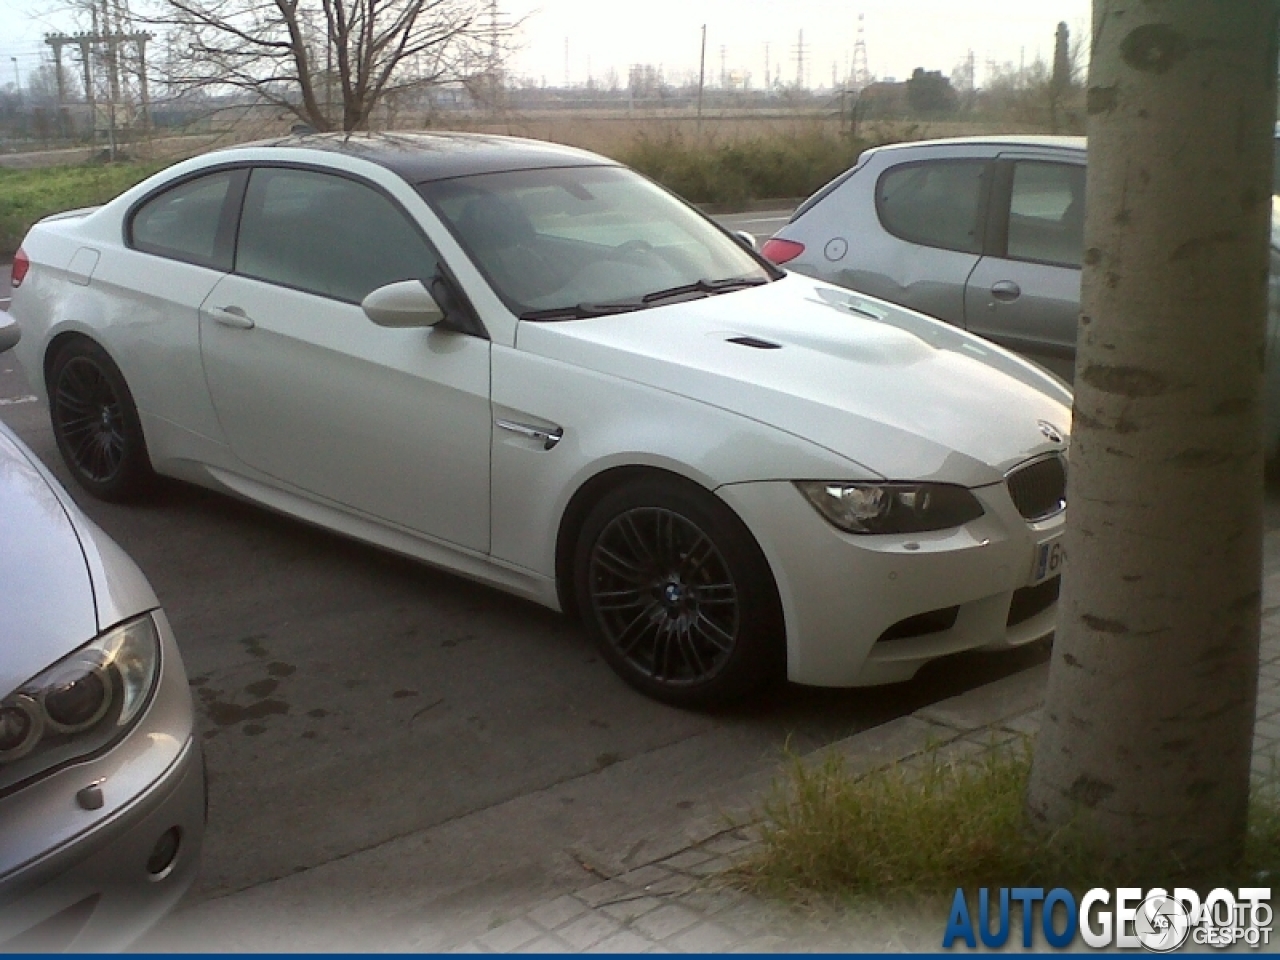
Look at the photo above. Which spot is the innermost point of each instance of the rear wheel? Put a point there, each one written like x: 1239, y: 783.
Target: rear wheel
x: 95, y: 423
x: 678, y: 595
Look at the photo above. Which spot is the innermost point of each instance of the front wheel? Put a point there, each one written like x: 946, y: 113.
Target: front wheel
x: 678, y: 594
x: 95, y: 423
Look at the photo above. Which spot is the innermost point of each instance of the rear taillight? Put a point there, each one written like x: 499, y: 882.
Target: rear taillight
x: 780, y: 251
x: 20, y: 267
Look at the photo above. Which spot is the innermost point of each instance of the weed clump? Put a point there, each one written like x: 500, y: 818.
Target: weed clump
x: 930, y: 826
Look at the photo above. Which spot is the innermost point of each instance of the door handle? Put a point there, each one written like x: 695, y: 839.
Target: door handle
x: 1006, y: 291
x: 233, y: 317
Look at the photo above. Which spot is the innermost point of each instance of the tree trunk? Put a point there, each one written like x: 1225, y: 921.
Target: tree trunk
x: 1148, y: 724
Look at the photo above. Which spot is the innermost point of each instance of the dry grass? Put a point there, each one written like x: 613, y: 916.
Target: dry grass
x: 924, y: 831
x: 727, y: 159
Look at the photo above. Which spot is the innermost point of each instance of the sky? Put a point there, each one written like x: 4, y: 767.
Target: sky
x: 604, y: 35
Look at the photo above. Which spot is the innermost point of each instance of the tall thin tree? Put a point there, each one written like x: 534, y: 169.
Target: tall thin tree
x: 1147, y: 726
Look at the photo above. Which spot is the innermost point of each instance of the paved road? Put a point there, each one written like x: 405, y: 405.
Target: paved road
x: 761, y: 224
x: 347, y: 696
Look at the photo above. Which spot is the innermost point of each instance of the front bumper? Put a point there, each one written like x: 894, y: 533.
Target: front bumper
x: 78, y: 880
x: 866, y: 610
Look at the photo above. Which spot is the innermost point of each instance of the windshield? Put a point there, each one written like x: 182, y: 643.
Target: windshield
x: 582, y: 241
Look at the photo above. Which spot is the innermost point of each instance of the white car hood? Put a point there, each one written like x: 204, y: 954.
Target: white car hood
x: 46, y: 595
x: 904, y: 396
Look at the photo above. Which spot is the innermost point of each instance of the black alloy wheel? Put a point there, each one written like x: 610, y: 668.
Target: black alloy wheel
x: 678, y: 595
x: 96, y: 424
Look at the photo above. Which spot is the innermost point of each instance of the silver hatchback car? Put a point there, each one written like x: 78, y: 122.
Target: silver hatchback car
x: 102, y: 802
x: 986, y: 233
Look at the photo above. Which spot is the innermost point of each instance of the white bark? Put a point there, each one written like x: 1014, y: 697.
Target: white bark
x: 1148, y: 724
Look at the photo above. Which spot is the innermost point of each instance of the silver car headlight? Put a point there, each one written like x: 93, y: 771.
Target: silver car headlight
x: 891, y: 507
x: 81, y: 705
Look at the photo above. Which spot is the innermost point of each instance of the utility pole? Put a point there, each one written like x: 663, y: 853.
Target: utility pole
x: 702, y: 76
x: 766, y: 66
x: 800, y: 62
x: 112, y: 39
x: 861, y: 72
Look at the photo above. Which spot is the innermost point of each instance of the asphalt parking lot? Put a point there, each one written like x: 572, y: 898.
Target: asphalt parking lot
x: 348, y: 697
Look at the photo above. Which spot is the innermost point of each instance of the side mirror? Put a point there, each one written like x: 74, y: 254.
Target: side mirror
x: 10, y: 333
x: 403, y: 304
x: 748, y: 240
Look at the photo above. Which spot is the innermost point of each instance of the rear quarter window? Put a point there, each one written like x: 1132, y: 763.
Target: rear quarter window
x: 183, y: 222
x: 935, y: 203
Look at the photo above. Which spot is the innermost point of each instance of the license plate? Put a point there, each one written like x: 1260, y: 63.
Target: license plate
x: 1048, y: 560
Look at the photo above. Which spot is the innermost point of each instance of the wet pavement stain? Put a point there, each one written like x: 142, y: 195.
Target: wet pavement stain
x: 308, y: 734
x: 401, y: 694
x: 278, y: 669
x: 318, y: 712
x: 262, y: 688
x: 253, y: 729
x: 253, y: 645
x: 226, y: 714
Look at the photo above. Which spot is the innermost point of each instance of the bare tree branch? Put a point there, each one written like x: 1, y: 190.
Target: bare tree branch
x: 291, y: 53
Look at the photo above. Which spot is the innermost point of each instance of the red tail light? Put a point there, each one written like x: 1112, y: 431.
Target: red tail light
x: 20, y: 267
x: 780, y: 251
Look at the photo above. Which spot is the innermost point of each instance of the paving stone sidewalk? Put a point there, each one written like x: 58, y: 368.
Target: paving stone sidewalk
x: 677, y: 905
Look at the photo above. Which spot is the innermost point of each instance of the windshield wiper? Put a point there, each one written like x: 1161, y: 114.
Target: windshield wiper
x: 709, y: 287
x: 581, y: 311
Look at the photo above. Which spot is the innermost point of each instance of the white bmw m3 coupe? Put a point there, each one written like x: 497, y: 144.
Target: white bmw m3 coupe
x: 533, y: 367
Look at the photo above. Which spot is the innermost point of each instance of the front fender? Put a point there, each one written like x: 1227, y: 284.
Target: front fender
x: 609, y: 423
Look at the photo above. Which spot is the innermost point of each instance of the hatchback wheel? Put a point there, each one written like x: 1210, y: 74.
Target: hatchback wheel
x: 678, y: 594
x: 96, y: 424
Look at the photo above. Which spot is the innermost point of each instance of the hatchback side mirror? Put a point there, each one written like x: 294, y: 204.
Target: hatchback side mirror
x: 748, y: 240
x: 10, y: 332
x: 403, y: 304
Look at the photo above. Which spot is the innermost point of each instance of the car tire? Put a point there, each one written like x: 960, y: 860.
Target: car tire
x: 96, y: 425
x: 678, y: 594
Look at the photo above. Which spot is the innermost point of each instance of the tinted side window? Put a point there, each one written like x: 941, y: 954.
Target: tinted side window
x: 326, y: 235
x: 1046, y: 213
x: 936, y: 203
x: 183, y: 221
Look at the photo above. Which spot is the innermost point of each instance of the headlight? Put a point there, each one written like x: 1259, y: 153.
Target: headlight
x: 81, y: 705
x: 892, y: 507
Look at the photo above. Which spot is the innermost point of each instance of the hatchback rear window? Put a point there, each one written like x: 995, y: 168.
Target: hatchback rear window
x: 937, y: 203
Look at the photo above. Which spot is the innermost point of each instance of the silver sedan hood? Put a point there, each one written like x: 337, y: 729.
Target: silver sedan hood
x: 62, y: 580
x: 46, y: 595
x: 902, y: 395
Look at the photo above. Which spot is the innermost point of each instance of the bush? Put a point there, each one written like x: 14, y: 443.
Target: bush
x: 750, y: 169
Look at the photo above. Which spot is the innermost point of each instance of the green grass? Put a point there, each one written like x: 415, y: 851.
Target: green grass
x: 28, y: 195
x: 924, y: 831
